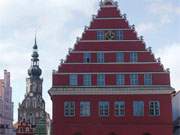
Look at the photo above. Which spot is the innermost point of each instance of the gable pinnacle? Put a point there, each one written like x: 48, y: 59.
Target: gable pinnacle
x: 108, y: 3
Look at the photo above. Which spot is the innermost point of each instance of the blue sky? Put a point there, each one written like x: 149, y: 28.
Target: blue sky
x: 59, y: 22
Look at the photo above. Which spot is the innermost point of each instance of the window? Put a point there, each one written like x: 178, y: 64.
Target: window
x: 103, y: 108
x: 154, y: 108
x: 87, y: 57
x: 133, y: 57
x: 119, y: 35
x: 100, y: 57
x: 73, y: 80
x: 119, y: 107
x: 84, y: 109
x: 69, y: 109
x: 134, y: 79
x: 87, y: 80
x: 100, y: 79
x: 120, y: 79
x: 138, y: 108
x: 120, y: 57
x: 148, y: 79
x: 100, y: 35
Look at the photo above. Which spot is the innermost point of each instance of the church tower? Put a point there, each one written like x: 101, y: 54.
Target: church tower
x: 32, y: 109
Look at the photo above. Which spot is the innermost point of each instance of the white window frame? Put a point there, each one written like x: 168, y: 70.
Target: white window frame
x: 100, y: 57
x: 133, y: 57
x: 69, y: 108
x: 86, y: 57
x: 137, y: 107
x: 134, y: 79
x: 100, y: 35
x: 119, y: 108
x: 101, y: 80
x: 147, y: 79
x: 103, y: 108
x: 73, y: 79
x: 154, y: 108
x: 87, y: 79
x: 85, y: 109
x: 120, y: 79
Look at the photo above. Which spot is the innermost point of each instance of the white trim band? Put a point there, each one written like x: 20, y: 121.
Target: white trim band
x: 109, y: 91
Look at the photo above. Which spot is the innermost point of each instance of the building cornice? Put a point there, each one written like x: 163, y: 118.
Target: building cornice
x: 89, y: 29
x: 109, y: 40
x: 110, y: 91
x: 107, y: 51
x: 110, y: 73
x: 111, y: 63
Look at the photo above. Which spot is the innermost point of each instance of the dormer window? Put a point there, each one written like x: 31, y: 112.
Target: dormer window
x: 87, y: 57
x: 100, y: 57
x: 133, y: 57
x: 119, y: 35
x: 100, y: 35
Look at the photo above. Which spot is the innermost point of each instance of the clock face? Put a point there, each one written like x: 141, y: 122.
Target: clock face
x: 110, y: 35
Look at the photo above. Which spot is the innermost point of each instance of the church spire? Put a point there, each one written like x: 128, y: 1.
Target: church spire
x: 35, y: 71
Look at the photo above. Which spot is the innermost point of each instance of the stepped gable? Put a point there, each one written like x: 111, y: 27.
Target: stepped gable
x: 109, y: 20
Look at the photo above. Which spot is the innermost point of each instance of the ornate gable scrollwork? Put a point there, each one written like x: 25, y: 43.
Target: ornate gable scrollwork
x: 108, y: 3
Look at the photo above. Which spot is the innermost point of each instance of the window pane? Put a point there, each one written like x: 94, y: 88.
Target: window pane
x: 138, y: 108
x: 87, y: 80
x: 134, y: 79
x: 103, y: 108
x: 100, y: 35
x: 100, y: 79
x: 154, y: 108
x: 69, y: 109
x: 100, y: 57
x: 87, y: 57
x: 133, y: 57
x: 119, y: 108
x: 120, y: 79
x: 120, y: 57
x: 73, y: 80
x: 119, y: 35
x: 84, y: 109
x: 148, y: 79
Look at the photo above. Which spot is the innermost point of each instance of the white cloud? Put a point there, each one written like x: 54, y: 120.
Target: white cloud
x: 146, y: 27
x: 170, y: 58
x: 167, y: 11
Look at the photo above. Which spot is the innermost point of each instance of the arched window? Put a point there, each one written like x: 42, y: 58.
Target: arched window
x: 77, y: 133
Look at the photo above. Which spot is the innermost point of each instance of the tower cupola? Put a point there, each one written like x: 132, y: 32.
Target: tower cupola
x: 35, y: 71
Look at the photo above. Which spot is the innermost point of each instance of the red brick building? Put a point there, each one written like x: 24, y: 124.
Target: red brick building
x: 111, y: 83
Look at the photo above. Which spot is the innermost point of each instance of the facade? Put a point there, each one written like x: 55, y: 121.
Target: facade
x: 111, y: 83
x: 6, y: 105
x: 176, y: 113
x: 32, y: 108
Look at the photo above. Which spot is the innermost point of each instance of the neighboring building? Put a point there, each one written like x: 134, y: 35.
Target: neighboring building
x: 6, y: 105
x: 176, y: 113
x: 32, y: 109
x: 111, y: 83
